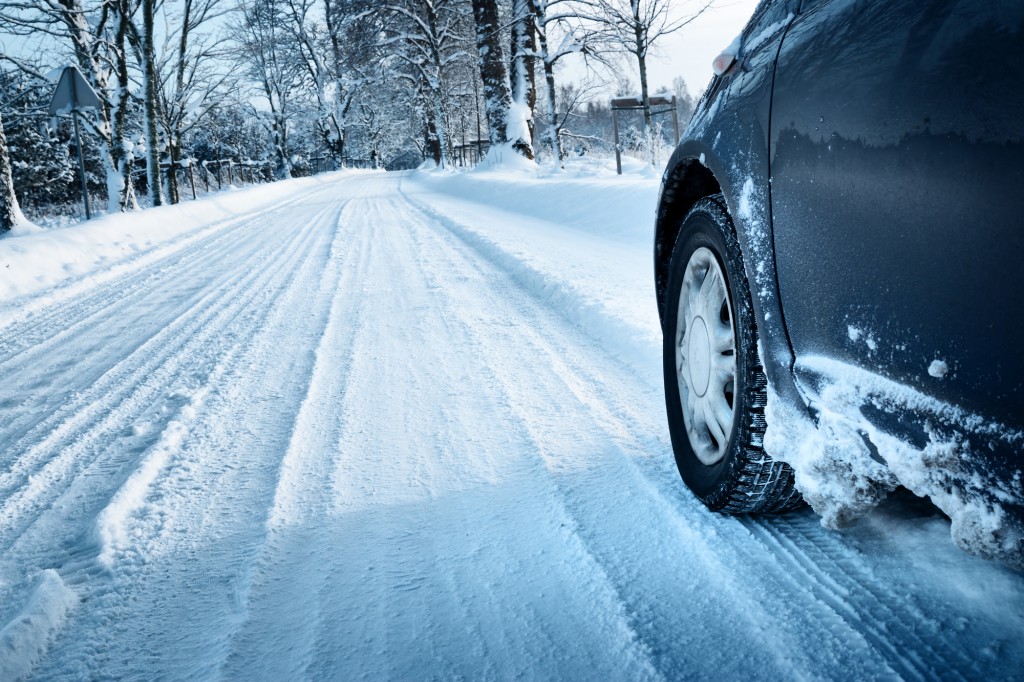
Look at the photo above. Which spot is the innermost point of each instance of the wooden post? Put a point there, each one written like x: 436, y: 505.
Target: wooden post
x: 81, y: 163
x: 675, y: 119
x: 220, y: 185
x: 172, y: 179
x: 618, y: 154
x: 192, y: 177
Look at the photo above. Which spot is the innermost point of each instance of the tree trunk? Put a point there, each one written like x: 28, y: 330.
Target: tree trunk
x: 10, y: 213
x: 553, y: 138
x: 284, y: 166
x: 497, y: 96
x: 177, y: 105
x: 338, y: 53
x: 645, y: 100
x: 524, y: 86
x: 172, y: 172
x: 436, y: 87
x: 121, y: 154
x: 431, y: 143
x: 153, y: 178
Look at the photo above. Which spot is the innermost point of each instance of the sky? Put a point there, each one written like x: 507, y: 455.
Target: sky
x: 690, y: 51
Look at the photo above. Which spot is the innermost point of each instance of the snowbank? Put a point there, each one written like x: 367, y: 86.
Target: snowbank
x: 25, y: 639
x: 33, y: 259
x: 580, y: 240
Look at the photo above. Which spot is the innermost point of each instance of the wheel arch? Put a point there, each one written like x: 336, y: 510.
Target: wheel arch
x: 695, y: 171
x: 689, y: 177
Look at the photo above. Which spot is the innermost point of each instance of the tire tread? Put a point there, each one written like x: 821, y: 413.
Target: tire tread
x: 758, y: 483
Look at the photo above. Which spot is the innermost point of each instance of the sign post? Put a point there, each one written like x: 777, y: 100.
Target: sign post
x: 73, y: 93
x: 635, y: 104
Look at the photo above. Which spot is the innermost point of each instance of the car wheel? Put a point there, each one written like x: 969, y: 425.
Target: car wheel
x: 715, y: 387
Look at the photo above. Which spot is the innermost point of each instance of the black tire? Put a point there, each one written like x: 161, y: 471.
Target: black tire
x: 745, y: 479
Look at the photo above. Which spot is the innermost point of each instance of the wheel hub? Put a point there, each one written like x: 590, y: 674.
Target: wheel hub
x: 706, y: 357
x: 699, y: 356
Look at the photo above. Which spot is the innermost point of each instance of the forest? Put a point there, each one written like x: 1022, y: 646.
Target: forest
x: 199, y: 94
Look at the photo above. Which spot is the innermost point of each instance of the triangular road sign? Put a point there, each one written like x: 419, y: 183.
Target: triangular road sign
x: 73, y: 92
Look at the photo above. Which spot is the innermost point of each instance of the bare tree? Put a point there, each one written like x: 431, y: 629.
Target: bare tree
x: 684, y: 99
x: 633, y: 27
x: 266, y: 50
x: 559, y: 34
x: 192, y: 81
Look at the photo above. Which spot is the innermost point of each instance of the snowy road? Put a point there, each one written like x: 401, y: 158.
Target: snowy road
x: 354, y: 435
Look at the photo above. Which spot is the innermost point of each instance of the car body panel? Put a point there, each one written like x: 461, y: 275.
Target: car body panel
x: 897, y: 204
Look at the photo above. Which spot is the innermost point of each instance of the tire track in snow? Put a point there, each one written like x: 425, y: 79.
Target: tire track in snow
x: 456, y: 297
x: 278, y: 299
x: 233, y: 457
x: 26, y: 321
x: 822, y: 565
x: 291, y: 553
x: 581, y: 472
x: 128, y: 388
x: 822, y: 591
x: 398, y: 557
x: 87, y: 317
x: 490, y: 495
x: 98, y: 413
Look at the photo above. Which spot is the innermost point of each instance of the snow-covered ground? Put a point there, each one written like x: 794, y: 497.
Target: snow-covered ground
x: 378, y: 426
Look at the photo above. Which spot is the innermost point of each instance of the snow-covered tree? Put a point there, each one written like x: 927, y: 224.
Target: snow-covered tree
x: 427, y: 38
x: 560, y: 33
x: 151, y: 87
x: 230, y: 130
x: 89, y: 33
x: 524, y: 76
x: 496, y: 92
x: 10, y: 212
x: 308, y: 28
x: 121, y: 150
x: 40, y: 163
x: 194, y: 78
x: 266, y: 49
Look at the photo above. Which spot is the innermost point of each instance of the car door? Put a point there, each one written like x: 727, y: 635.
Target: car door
x: 896, y: 192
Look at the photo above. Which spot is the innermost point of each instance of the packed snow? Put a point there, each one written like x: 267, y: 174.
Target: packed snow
x: 410, y: 426
x: 938, y: 369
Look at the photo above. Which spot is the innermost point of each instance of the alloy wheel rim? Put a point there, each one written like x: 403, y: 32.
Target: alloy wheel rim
x: 705, y: 344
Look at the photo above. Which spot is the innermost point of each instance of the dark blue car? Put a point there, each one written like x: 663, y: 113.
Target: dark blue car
x: 839, y: 259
